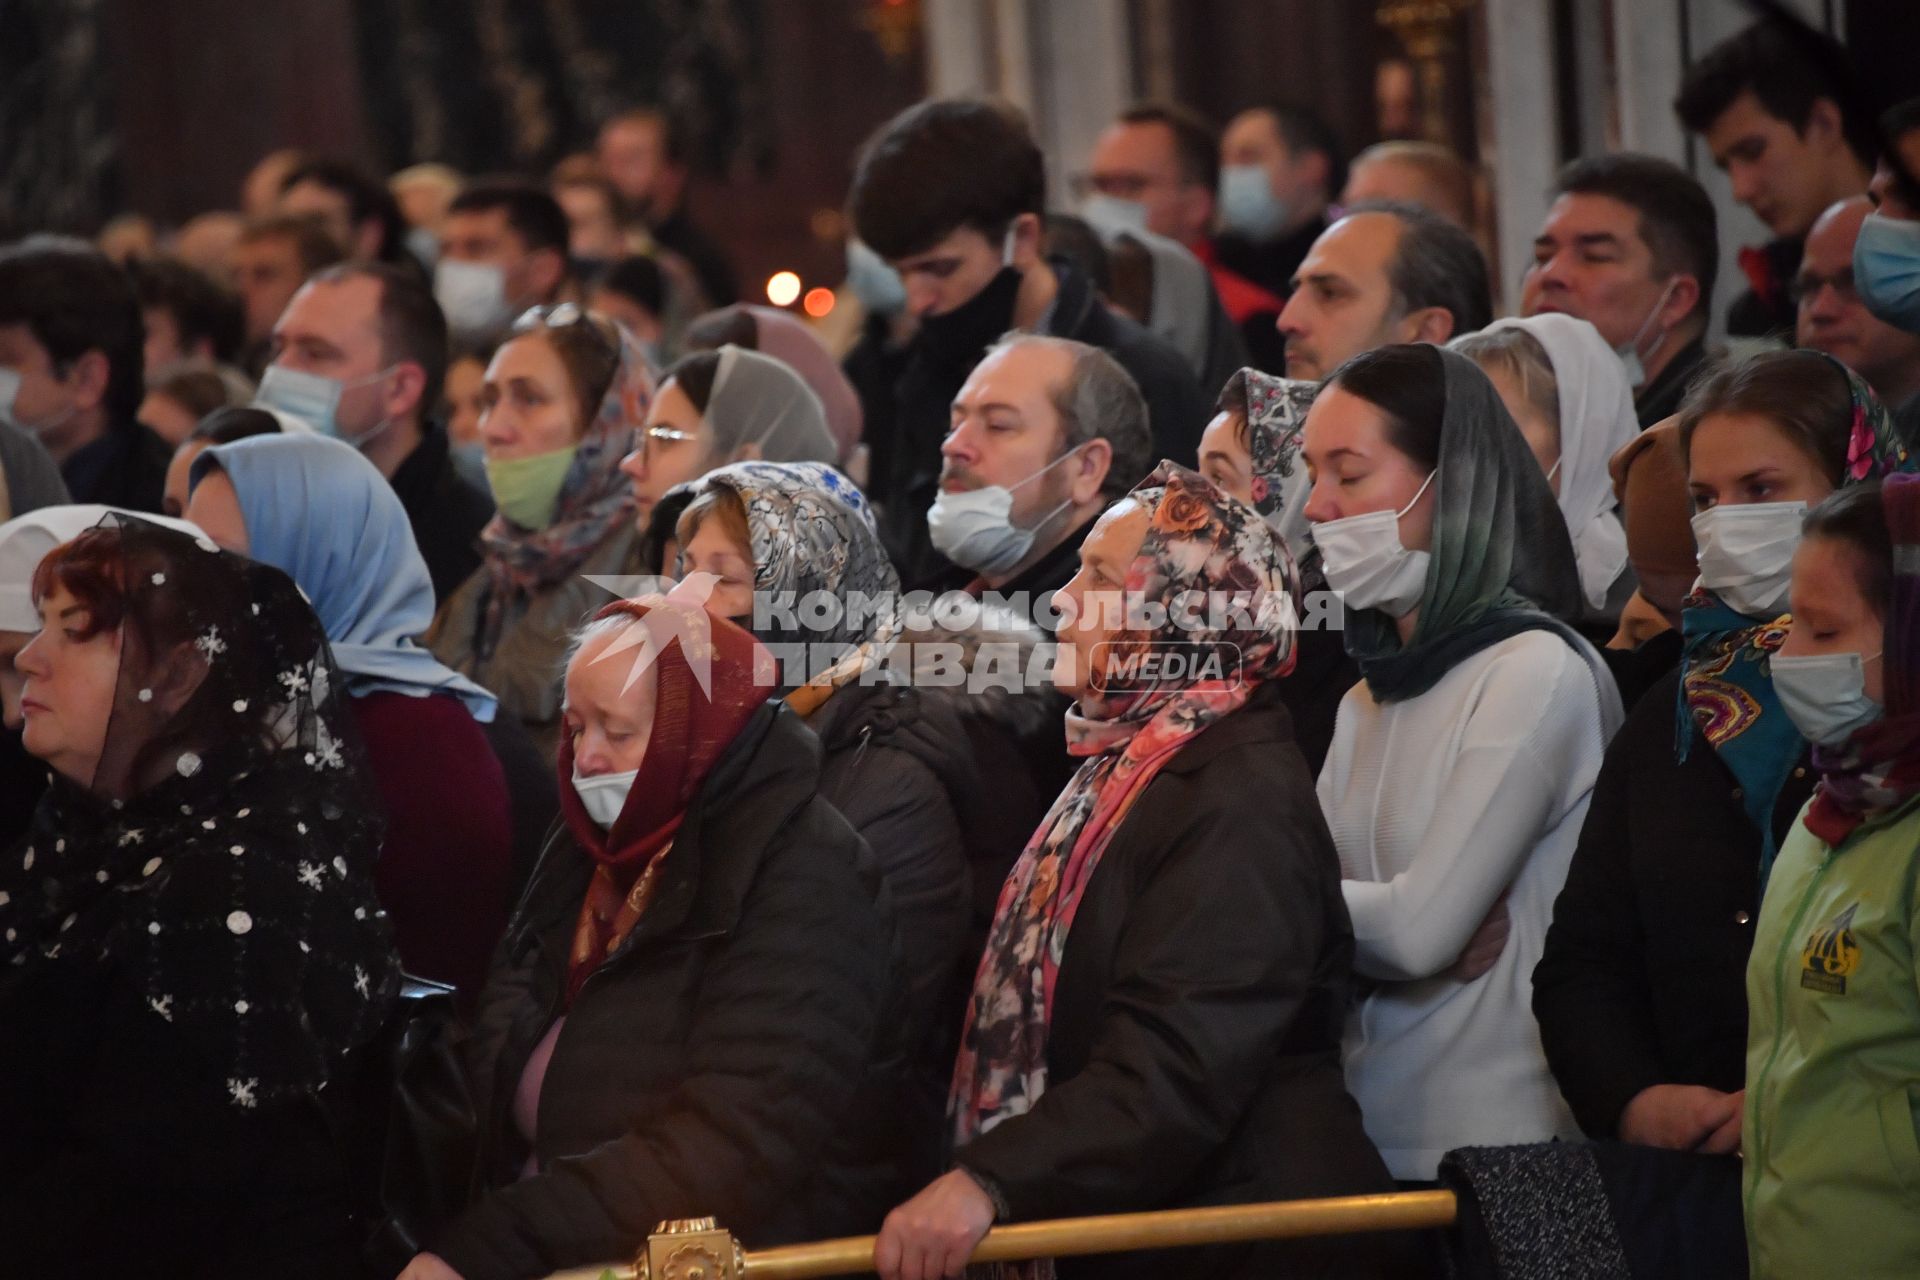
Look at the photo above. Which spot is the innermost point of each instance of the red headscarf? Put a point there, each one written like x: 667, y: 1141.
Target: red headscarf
x: 692, y: 729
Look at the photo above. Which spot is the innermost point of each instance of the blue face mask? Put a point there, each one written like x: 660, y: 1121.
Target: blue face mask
x: 314, y: 399
x: 1247, y: 203
x: 877, y: 285
x: 1886, y: 270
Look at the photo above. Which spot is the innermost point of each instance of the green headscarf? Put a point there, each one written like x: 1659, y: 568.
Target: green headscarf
x: 1501, y: 561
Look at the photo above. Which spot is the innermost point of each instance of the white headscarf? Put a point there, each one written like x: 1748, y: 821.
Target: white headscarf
x: 1596, y: 421
x: 25, y: 541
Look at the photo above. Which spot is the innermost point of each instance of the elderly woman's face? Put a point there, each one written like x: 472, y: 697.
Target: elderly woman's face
x: 529, y: 406
x: 1091, y: 603
x: 609, y: 720
x: 67, y: 695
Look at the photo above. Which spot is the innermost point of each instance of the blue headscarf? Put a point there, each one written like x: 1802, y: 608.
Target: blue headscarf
x: 317, y: 509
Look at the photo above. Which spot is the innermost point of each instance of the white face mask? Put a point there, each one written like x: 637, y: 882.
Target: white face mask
x: 604, y: 794
x: 1629, y: 353
x: 10, y: 391
x: 473, y: 294
x: 1110, y: 215
x: 1746, y: 553
x: 1366, y: 563
x: 1825, y: 694
x: 975, y: 529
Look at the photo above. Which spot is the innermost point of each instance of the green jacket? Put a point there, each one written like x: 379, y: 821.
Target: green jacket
x: 1833, y: 1058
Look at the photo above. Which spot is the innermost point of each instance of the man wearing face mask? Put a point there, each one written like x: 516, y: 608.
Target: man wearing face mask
x: 1280, y: 166
x: 503, y: 249
x: 72, y: 367
x: 951, y: 193
x: 1631, y: 246
x: 1886, y: 253
x: 1045, y: 433
x: 359, y: 355
x: 1157, y: 168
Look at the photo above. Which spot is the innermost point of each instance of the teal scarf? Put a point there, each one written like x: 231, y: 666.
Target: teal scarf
x: 1500, y: 560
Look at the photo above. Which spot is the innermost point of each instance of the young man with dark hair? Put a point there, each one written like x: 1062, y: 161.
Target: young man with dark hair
x: 1791, y: 141
x: 1886, y: 250
x: 1158, y: 167
x: 953, y: 194
x: 1280, y: 167
x: 1631, y: 245
x: 644, y: 154
x: 188, y: 316
x: 372, y: 337
x: 273, y: 259
x: 503, y: 248
x: 72, y: 370
x: 358, y: 211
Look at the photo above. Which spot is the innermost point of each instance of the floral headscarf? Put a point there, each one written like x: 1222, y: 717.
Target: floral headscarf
x: 812, y: 531
x: 1877, y: 769
x: 1275, y: 410
x: 1727, y: 684
x: 595, y: 498
x: 1204, y: 553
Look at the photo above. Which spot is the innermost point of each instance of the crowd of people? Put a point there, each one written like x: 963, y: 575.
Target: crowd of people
x: 506, y: 745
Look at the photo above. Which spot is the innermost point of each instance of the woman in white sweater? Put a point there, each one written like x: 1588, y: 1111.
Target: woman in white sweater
x: 1462, y: 762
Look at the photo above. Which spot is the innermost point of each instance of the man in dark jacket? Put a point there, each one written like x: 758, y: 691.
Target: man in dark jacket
x: 1060, y: 428
x: 1790, y: 141
x: 378, y: 335
x: 952, y: 193
x: 1631, y: 245
x: 72, y: 370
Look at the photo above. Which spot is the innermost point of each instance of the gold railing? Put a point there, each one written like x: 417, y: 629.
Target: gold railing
x: 699, y: 1250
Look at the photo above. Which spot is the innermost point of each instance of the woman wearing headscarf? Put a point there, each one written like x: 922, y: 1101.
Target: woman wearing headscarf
x: 1565, y: 389
x: 1251, y: 450
x: 928, y: 772
x: 191, y: 945
x: 1128, y: 1048
x: 319, y: 511
x: 24, y: 542
x: 696, y: 1009
x: 776, y: 333
x: 564, y: 395
x: 1830, y: 1142
x: 1462, y: 763
x: 1638, y: 992
x: 716, y: 407
x: 1650, y: 480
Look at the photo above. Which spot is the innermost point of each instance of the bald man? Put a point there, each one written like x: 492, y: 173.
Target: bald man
x: 1419, y: 173
x: 1831, y: 318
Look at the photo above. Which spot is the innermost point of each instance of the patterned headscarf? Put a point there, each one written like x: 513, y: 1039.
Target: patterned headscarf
x: 1275, y: 410
x: 1202, y: 552
x: 812, y: 531
x: 1877, y: 769
x: 1727, y: 684
x: 595, y: 498
x: 221, y: 855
